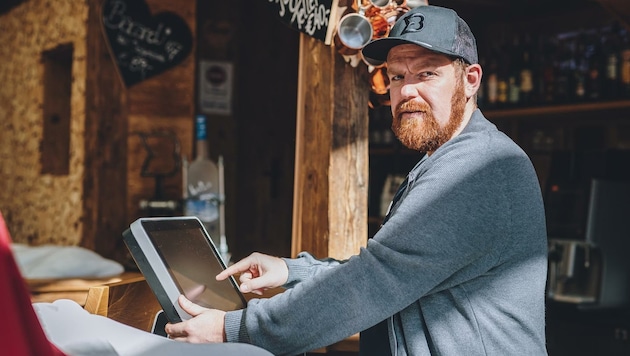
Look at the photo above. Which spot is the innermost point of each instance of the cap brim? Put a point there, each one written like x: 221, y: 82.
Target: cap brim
x: 378, y: 49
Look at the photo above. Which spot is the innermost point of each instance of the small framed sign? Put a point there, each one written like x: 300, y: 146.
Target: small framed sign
x: 215, y: 87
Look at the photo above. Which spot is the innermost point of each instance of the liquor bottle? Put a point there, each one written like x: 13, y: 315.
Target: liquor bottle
x: 596, y: 65
x: 579, y: 56
x: 611, y: 53
x: 564, y: 71
x: 547, y: 69
x: 526, y: 74
x: 492, y: 86
x: 202, y: 184
x: 503, y: 74
x: 513, y: 76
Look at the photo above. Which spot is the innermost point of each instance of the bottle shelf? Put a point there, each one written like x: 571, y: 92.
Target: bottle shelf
x: 565, y: 109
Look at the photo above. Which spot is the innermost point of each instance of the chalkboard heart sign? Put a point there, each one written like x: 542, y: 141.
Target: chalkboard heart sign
x: 144, y: 45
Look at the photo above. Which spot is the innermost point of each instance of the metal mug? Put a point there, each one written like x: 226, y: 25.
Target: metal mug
x: 355, y: 30
x: 380, y: 3
x: 415, y: 3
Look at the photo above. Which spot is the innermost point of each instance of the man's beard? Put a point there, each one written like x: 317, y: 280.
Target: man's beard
x: 425, y: 134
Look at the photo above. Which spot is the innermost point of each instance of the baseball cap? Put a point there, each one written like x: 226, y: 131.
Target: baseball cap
x: 435, y: 28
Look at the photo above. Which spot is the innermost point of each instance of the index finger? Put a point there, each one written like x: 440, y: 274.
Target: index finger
x: 239, y: 267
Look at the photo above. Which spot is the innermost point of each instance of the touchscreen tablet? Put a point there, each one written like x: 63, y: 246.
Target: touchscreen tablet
x: 177, y: 256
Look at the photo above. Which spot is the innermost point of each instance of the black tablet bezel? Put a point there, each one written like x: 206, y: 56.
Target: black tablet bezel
x: 150, y: 260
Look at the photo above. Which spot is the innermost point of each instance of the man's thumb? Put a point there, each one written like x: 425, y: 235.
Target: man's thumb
x: 190, y: 307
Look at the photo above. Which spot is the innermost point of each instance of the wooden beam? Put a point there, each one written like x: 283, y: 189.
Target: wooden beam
x: 331, y: 161
x: 105, y: 177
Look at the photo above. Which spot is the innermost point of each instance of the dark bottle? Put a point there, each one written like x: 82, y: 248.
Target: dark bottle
x: 611, y: 52
x: 564, y: 71
x: 513, y: 72
x: 548, y: 65
x: 492, y: 85
x: 502, y: 74
x: 596, y: 64
x: 526, y: 73
x: 580, y: 67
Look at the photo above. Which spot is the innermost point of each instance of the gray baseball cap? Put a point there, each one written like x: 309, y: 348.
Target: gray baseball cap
x: 435, y: 28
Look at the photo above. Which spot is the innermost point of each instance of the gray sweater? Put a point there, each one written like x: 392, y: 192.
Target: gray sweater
x: 458, y: 268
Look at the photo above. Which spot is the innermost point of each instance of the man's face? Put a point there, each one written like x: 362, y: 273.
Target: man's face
x: 427, y: 97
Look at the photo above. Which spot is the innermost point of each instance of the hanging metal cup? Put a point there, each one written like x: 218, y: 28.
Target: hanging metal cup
x: 415, y: 3
x: 380, y: 3
x: 354, y: 31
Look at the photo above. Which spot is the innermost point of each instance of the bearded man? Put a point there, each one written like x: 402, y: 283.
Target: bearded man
x: 459, y: 264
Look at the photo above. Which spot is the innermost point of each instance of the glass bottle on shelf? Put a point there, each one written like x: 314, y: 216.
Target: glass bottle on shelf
x: 492, y: 85
x: 595, y: 65
x: 513, y: 76
x: 548, y: 66
x: 579, y: 59
x: 564, y: 71
x: 526, y: 73
x: 202, y: 184
x: 611, y: 51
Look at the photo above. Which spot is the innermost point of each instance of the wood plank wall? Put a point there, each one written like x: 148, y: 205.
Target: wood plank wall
x: 113, y: 186
x: 100, y: 195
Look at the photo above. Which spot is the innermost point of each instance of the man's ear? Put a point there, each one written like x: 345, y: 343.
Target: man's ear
x: 473, y: 79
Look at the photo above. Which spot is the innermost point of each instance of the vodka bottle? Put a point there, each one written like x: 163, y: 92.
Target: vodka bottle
x: 202, y: 184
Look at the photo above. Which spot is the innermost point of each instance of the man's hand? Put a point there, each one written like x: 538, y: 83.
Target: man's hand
x: 258, y: 272
x: 206, y: 326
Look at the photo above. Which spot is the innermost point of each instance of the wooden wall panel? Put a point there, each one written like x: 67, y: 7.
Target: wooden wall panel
x: 263, y: 136
x: 163, y: 103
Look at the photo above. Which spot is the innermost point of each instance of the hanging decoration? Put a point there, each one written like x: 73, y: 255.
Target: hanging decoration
x: 362, y: 22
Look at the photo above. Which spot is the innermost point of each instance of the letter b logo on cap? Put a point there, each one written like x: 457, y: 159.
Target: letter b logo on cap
x: 413, y: 23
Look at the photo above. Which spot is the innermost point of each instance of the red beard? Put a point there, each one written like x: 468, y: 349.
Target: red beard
x: 425, y: 134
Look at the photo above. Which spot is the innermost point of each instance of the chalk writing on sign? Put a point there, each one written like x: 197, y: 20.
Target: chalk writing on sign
x: 312, y: 17
x: 144, y: 45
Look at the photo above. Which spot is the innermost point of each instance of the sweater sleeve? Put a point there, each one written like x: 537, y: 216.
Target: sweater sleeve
x: 447, y: 229
x: 305, y: 266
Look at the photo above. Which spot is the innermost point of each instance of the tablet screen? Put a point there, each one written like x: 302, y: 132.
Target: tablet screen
x: 193, y: 263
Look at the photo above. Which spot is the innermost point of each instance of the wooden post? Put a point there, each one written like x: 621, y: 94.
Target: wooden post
x: 105, y: 181
x: 331, y: 158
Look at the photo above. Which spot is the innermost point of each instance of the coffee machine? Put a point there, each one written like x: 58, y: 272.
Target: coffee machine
x: 587, y: 201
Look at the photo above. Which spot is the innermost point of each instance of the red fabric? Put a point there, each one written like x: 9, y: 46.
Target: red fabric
x: 20, y: 330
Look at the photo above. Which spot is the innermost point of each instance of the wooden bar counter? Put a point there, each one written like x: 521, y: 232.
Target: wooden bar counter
x: 129, y: 300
